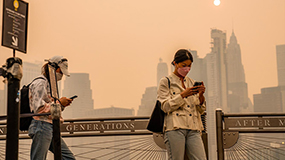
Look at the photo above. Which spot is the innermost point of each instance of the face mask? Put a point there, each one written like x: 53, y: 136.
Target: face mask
x: 183, y: 71
x: 58, y: 76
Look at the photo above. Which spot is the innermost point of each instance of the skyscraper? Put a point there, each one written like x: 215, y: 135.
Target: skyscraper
x: 273, y: 96
x: 280, y: 55
x: 161, y: 71
x: 219, y: 40
x: 198, y: 70
x: 149, y: 97
x: 270, y: 100
x: 111, y: 112
x: 147, y: 102
x: 237, y: 87
x: 216, y: 84
x: 2, y: 103
x: 78, y: 84
x: 30, y: 71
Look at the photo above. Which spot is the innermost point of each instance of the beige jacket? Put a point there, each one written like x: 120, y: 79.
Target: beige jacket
x: 184, y: 113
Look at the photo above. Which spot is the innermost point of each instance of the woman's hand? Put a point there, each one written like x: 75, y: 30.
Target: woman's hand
x: 201, y: 90
x: 189, y: 92
x: 65, y: 101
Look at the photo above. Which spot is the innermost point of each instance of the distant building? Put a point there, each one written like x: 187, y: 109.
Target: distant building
x: 217, y: 91
x: 237, y: 87
x: 30, y: 71
x: 147, y: 102
x: 280, y: 55
x: 198, y: 70
x: 2, y: 103
x: 162, y: 70
x: 149, y: 97
x: 270, y: 100
x: 218, y: 65
x: 78, y: 84
x: 111, y: 112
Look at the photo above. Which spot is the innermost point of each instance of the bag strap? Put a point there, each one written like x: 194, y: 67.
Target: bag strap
x: 168, y: 82
x: 35, y: 79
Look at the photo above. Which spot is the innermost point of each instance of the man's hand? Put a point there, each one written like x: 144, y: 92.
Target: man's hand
x: 65, y: 101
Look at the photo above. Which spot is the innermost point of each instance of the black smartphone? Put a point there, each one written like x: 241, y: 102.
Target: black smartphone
x: 75, y: 96
x: 197, y: 84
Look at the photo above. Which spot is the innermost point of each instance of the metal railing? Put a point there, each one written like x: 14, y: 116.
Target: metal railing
x: 250, y: 136
x: 105, y: 138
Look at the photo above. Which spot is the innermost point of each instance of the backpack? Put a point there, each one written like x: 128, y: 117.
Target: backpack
x: 156, y: 121
x: 25, y: 111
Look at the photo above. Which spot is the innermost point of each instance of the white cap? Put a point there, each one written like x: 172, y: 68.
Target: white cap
x: 62, y: 63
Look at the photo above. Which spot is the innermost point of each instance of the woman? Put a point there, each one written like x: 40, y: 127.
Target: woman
x: 183, y: 105
x: 41, y: 127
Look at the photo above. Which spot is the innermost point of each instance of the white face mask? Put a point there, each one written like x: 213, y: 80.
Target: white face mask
x: 58, y: 76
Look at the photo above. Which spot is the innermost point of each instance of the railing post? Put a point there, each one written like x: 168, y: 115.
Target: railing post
x: 219, y: 130
x: 14, y: 76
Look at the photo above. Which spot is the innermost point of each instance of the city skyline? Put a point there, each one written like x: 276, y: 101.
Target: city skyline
x: 119, y: 42
x: 37, y: 63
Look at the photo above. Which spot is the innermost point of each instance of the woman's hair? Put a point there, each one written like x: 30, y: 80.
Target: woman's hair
x: 45, y: 71
x: 182, y: 55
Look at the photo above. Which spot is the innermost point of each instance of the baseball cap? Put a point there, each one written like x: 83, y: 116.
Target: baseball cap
x: 62, y: 63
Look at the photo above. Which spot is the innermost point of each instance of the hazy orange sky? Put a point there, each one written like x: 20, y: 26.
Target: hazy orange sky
x: 119, y: 42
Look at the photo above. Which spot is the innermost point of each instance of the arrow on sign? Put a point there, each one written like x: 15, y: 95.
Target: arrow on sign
x: 15, y: 41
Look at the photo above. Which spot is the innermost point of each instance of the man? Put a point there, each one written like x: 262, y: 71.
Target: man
x: 41, y: 130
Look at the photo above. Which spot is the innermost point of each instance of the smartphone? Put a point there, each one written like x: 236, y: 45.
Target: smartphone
x: 75, y: 96
x: 197, y: 84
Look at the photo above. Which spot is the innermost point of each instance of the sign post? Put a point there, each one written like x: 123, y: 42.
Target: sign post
x: 14, y: 36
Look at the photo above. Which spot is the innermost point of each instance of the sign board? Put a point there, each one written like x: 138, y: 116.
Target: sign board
x: 53, y: 82
x: 14, y: 25
x: 102, y: 127
x: 260, y: 122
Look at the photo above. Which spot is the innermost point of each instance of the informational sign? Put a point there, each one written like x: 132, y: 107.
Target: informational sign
x: 108, y: 127
x: 254, y: 122
x: 53, y: 82
x: 14, y: 24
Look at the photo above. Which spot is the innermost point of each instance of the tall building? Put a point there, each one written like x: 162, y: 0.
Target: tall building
x: 270, y: 100
x: 30, y: 71
x: 237, y: 87
x: 216, y: 94
x: 198, y: 70
x: 78, y: 84
x: 162, y: 70
x: 219, y: 52
x: 273, y: 96
x: 111, y: 112
x: 2, y: 103
x: 280, y: 55
x: 147, y: 102
x: 149, y: 97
